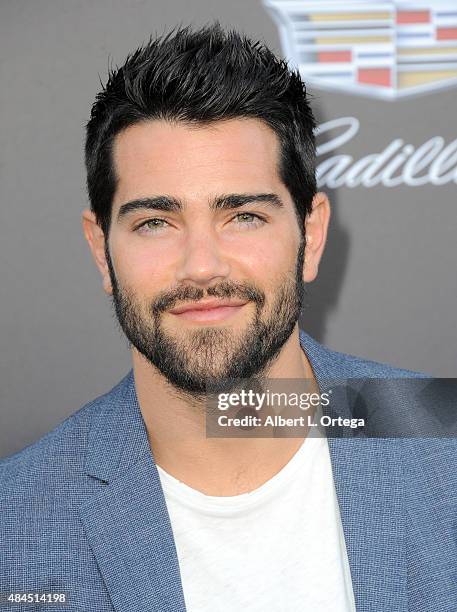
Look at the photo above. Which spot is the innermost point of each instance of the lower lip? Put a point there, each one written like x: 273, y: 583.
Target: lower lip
x: 209, y: 314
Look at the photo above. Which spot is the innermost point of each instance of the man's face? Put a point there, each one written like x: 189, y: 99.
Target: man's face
x: 200, y: 237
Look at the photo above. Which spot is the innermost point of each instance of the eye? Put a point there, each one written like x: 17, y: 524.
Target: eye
x: 152, y: 224
x: 247, y: 218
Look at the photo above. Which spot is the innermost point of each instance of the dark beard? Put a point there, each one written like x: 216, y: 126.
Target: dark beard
x: 206, y: 357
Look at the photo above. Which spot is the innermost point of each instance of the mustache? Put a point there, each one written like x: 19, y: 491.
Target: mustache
x: 225, y: 289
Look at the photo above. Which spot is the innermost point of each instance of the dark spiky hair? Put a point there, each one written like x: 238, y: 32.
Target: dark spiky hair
x: 200, y: 77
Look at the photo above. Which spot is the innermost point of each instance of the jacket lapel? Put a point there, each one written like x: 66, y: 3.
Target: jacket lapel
x: 369, y: 486
x: 126, y: 519
x: 369, y: 483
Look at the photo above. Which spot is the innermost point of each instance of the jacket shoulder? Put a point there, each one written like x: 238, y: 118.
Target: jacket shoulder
x: 58, y: 453
x: 358, y: 366
x: 334, y: 364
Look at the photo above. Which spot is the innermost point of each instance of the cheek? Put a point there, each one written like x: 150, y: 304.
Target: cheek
x: 139, y: 266
x: 267, y: 262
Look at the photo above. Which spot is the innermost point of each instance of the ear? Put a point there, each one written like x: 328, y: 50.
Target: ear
x: 316, y: 226
x: 96, y: 239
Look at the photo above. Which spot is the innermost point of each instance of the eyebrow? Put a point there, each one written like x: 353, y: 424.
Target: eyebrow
x: 224, y: 202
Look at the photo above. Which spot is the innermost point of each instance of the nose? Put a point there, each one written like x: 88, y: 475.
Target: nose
x: 202, y: 262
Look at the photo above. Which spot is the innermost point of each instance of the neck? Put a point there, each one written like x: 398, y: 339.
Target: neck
x: 176, y: 428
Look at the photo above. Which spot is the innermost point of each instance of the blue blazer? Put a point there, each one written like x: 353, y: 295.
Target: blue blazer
x: 82, y: 511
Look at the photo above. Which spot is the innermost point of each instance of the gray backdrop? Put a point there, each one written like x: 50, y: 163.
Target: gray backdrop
x: 388, y: 283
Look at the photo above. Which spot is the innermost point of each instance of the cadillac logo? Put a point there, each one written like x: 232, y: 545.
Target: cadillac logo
x: 382, y: 49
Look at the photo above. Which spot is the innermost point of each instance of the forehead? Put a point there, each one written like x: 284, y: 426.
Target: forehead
x: 193, y: 161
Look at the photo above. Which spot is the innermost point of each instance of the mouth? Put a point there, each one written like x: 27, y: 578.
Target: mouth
x: 214, y: 310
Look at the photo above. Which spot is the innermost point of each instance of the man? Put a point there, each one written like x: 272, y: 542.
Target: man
x: 205, y: 225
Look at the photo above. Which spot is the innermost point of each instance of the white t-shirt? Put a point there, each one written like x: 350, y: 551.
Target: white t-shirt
x: 279, y: 548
